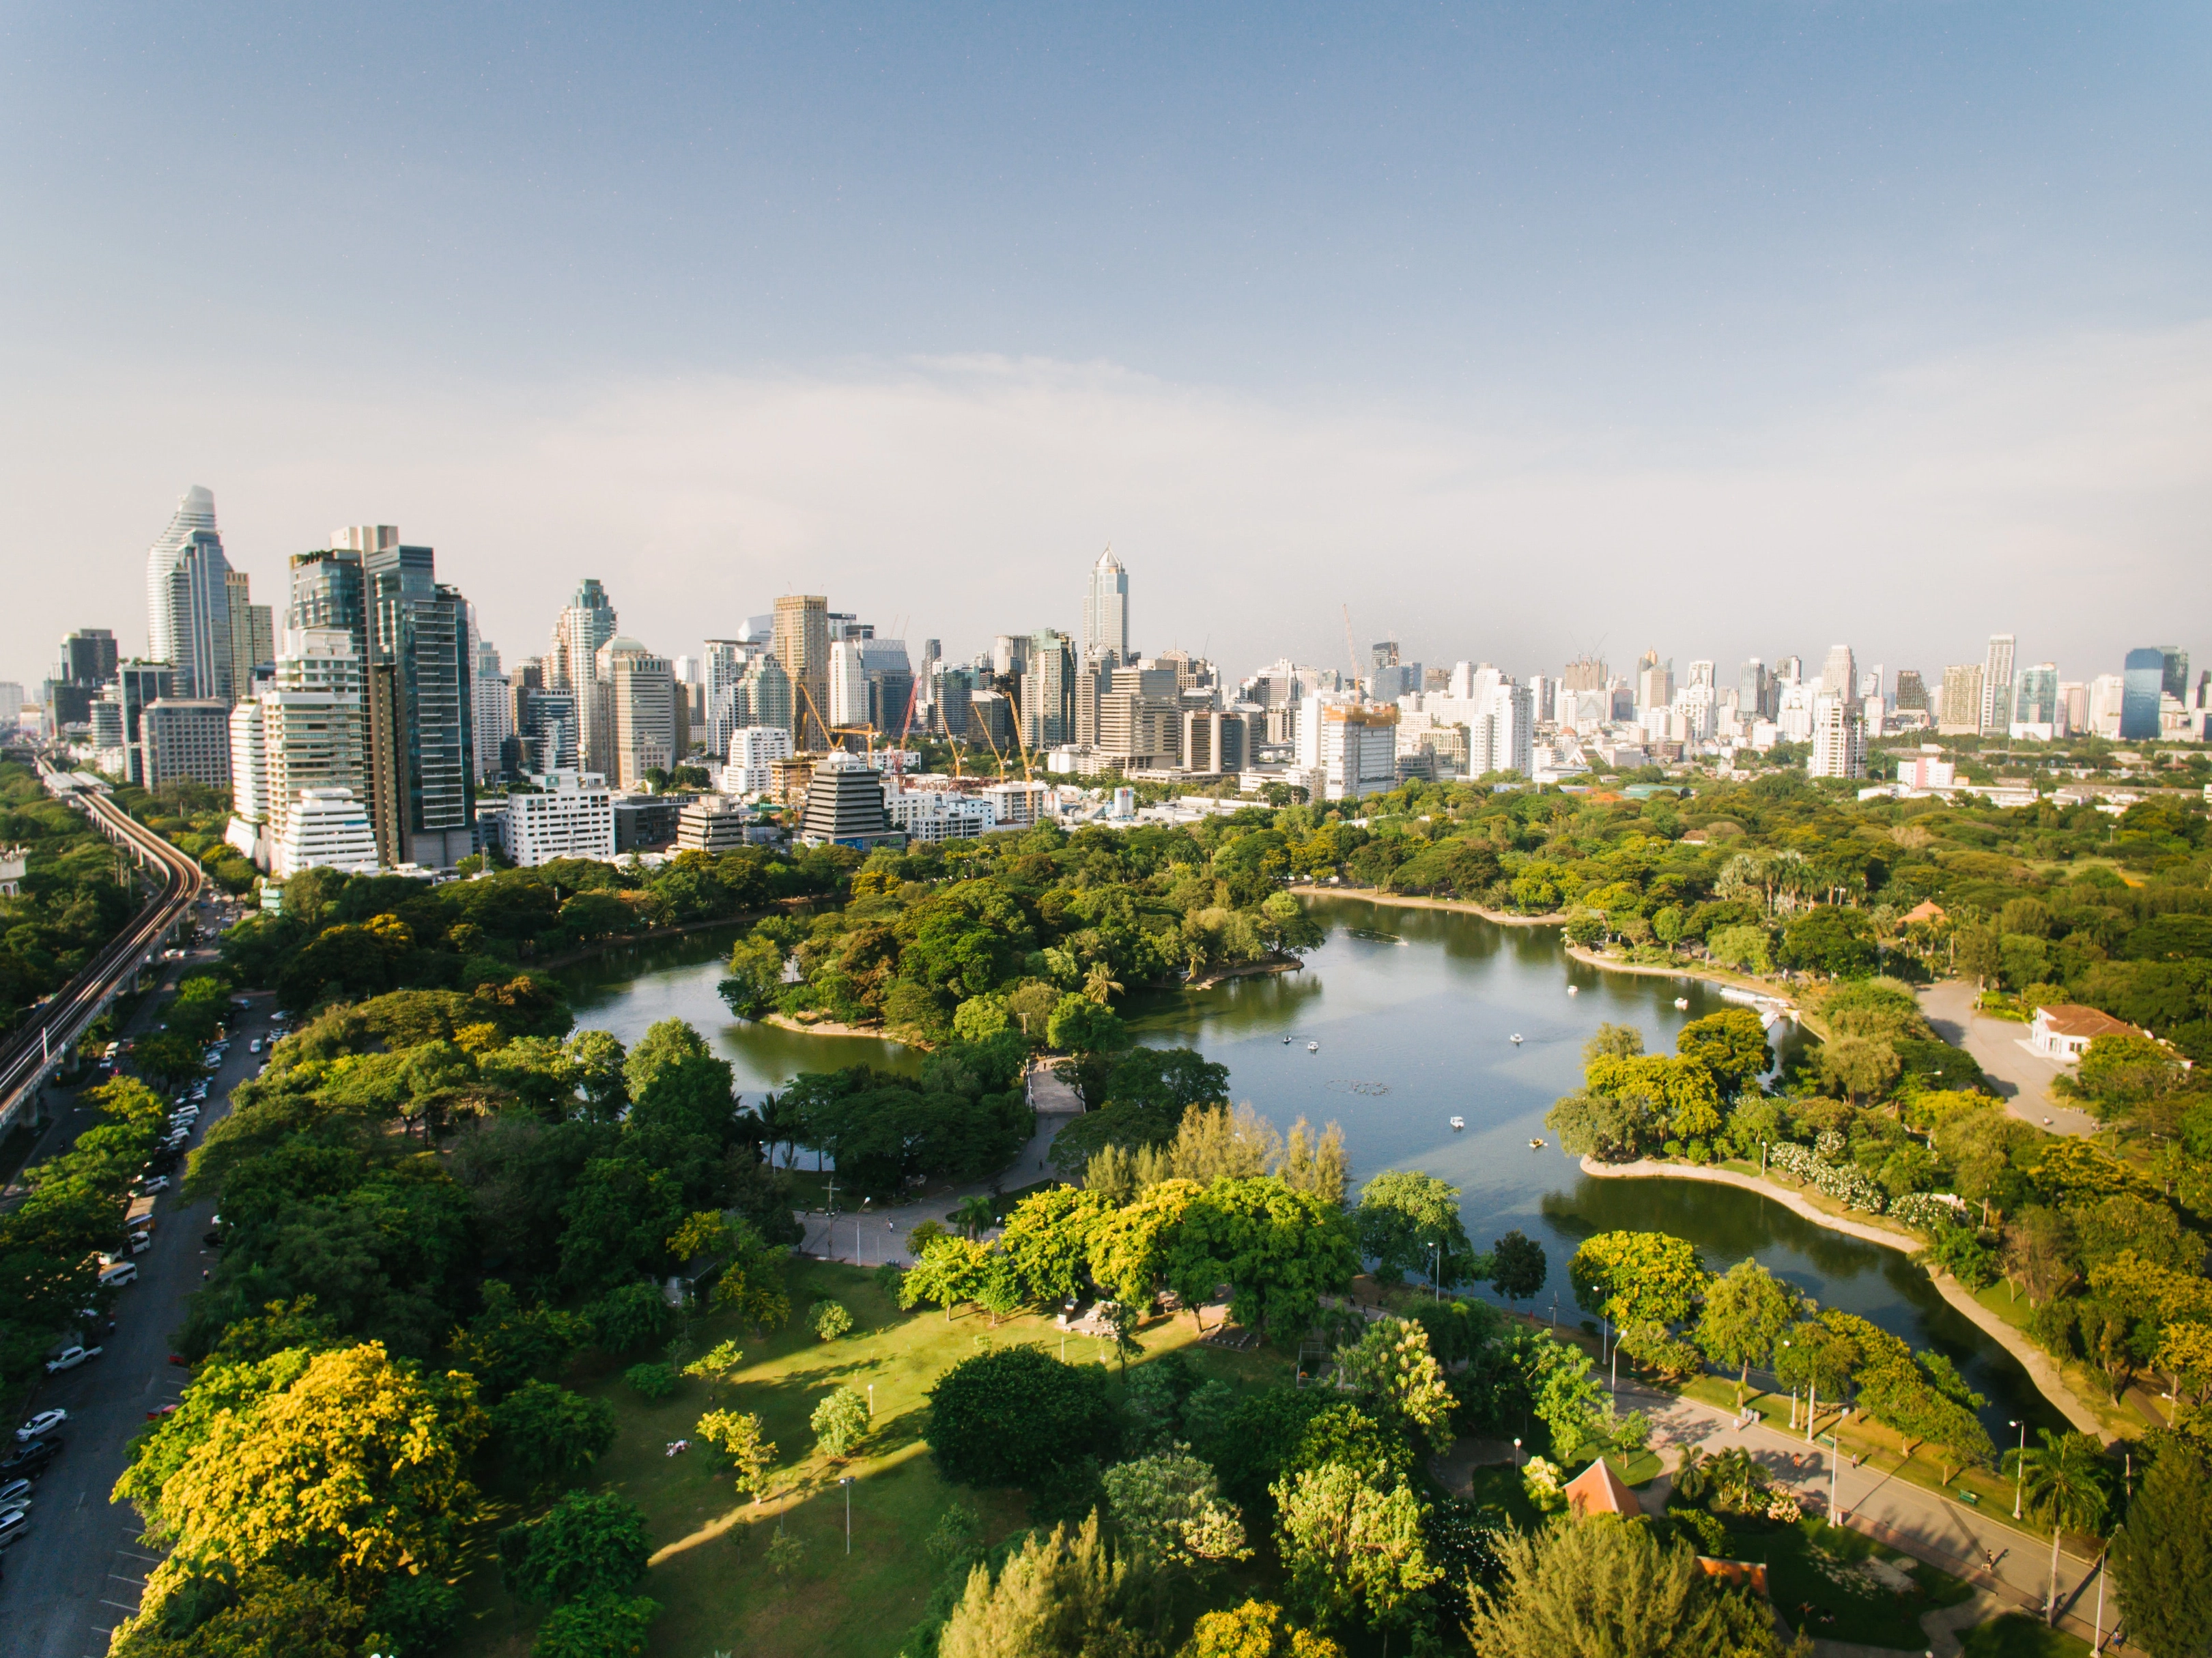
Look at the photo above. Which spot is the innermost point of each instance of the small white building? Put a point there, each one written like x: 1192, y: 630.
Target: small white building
x: 2064, y: 1032
x: 754, y: 750
x: 929, y: 816
x: 13, y: 862
x: 326, y: 829
x: 712, y: 823
x: 1017, y: 806
x: 560, y: 814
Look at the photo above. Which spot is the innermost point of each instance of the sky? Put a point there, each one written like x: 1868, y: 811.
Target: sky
x: 1508, y: 331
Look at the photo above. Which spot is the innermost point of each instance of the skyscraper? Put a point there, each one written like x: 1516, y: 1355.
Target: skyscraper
x: 1047, y: 710
x: 492, y: 707
x: 1754, y: 690
x: 421, y: 708
x: 2173, y: 676
x: 1106, y: 612
x: 252, y: 634
x: 1840, y: 672
x: 2037, y: 701
x: 644, y: 728
x: 1964, y: 698
x: 802, y: 647
x: 1839, y: 737
x: 86, y: 662
x: 587, y: 624
x: 2143, y: 682
x: 1997, y: 685
x: 848, y: 684
x: 188, y: 600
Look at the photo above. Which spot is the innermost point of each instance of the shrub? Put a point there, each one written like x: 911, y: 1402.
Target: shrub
x: 653, y: 1382
x: 1846, y: 1183
x: 830, y: 1319
x: 1011, y: 1416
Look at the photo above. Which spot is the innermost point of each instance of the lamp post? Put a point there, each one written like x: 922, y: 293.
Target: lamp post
x: 846, y: 1482
x: 1835, y: 1464
x: 1762, y: 1159
x: 1517, y: 1456
x: 1555, y: 1310
x: 2019, y: 1467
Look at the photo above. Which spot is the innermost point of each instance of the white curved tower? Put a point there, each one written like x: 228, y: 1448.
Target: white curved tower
x: 188, y: 599
x: 1106, y: 611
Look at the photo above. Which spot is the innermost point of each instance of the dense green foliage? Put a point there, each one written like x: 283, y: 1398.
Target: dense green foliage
x: 71, y: 902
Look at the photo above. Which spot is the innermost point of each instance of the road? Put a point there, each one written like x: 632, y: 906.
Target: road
x: 2021, y: 1078
x: 80, y: 1567
x: 33, y: 1049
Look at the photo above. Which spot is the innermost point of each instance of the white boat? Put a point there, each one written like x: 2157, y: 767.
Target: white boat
x: 1516, y: 1039
x: 1313, y: 1048
x: 1681, y: 1001
x: 1286, y: 1042
x: 1535, y: 1145
x: 1571, y: 989
x: 1459, y: 1122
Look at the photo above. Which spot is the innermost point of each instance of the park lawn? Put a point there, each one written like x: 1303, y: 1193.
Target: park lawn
x: 1811, y: 1562
x: 709, y: 1571
x: 2016, y: 1634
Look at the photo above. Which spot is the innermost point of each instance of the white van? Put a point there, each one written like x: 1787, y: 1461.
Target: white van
x: 122, y: 1273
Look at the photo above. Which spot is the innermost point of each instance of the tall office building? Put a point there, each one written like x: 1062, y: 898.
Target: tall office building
x: 1839, y: 737
x: 722, y: 668
x: 1655, y: 683
x: 1840, y: 672
x: 1501, y: 735
x: 1754, y: 690
x: 587, y: 623
x: 848, y: 684
x: 2174, y: 674
x: 2143, y: 682
x: 802, y: 647
x: 87, y: 661
x: 327, y: 590
x: 2035, y: 705
x: 188, y: 601
x: 644, y: 723
x: 420, y: 683
x: 1106, y: 613
x: 304, y: 734
x: 1911, y: 693
x: 1959, y: 714
x: 253, y: 636
x: 764, y: 696
x: 1997, y: 685
x: 891, y: 684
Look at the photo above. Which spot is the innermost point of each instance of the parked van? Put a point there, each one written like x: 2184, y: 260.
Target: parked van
x: 122, y: 1273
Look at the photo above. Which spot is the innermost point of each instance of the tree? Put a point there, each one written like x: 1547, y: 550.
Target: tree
x: 1048, y: 1236
x: 1731, y: 1044
x: 1747, y: 1311
x: 1129, y: 1247
x: 839, y: 1422
x: 1403, y: 1217
x: 1348, y: 1545
x: 950, y: 1270
x: 2162, y: 1557
x: 1166, y: 1507
x: 1517, y: 1266
x: 1638, y: 1276
x: 829, y: 1320
x: 1616, y: 1041
x: 1214, y: 1142
x: 1319, y: 1166
x: 2062, y: 1487
x: 549, y: 1435
x: 744, y: 1440
x: 1056, y: 1595
x: 1564, y: 1393
x: 1278, y: 1250
x: 1392, y: 1367
x: 354, y: 1467
x: 1860, y: 1066
x: 974, y: 1215
x: 601, y: 1625
x: 1257, y: 1629
x: 586, y: 1543
x: 1605, y: 1585
x: 1014, y: 1415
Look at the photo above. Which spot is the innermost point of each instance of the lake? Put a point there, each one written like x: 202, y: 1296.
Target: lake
x: 1413, y: 1011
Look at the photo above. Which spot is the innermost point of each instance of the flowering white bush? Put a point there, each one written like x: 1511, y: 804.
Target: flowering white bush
x: 1784, y: 1508
x: 1931, y: 1211
x: 1846, y: 1182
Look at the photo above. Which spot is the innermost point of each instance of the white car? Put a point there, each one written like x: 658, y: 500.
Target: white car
x: 254, y: 1046
x: 13, y: 1523
x: 70, y: 1357
x: 150, y: 1184
x: 140, y: 1242
x: 44, y: 1423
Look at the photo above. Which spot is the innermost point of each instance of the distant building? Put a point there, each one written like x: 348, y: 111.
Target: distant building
x: 2142, y: 683
x: 1350, y: 747
x: 1840, y: 672
x: 644, y: 720
x: 188, y: 601
x: 2107, y: 698
x: 1997, y: 685
x: 753, y: 753
x: 560, y: 814
x: 2064, y: 1031
x: 188, y: 739
x: 713, y: 823
x: 1960, y: 712
x: 928, y: 816
x: 845, y: 807
x: 802, y: 646
x: 1017, y: 806
x: 848, y: 684
x: 1928, y: 769
x: 1106, y: 614
x: 1048, y: 690
x: 2036, y: 711
x: 492, y: 705
x: 648, y: 822
x: 1838, y: 738
x: 1911, y: 694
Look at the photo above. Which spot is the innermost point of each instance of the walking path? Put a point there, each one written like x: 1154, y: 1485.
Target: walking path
x: 2046, y: 1374
x: 873, y: 1235
x: 2022, y: 1078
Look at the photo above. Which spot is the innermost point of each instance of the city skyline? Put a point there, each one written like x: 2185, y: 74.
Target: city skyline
x: 1496, y: 311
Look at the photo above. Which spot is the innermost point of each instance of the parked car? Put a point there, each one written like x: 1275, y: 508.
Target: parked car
x: 122, y: 1273
x: 140, y: 1243
x: 17, y: 1493
x: 30, y: 1459
x: 146, y: 1185
x: 40, y: 1425
x: 254, y: 1046
x: 14, y: 1524
x: 70, y: 1357
x: 157, y: 1414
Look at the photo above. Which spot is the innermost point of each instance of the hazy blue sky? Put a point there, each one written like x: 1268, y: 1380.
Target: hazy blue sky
x: 1727, y: 328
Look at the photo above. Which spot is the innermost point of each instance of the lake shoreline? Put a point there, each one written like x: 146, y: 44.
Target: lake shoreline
x: 1711, y: 975
x: 2031, y: 1358
x: 1455, y: 905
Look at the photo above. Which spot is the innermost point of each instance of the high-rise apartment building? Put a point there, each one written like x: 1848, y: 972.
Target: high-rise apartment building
x: 722, y: 668
x: 644, y: 719
x: 753, y: 753
x: 1959, y: 712
x: 764, y: 696
x: 802, y: 647
x: 1655, y: 683
x: 1501, y: 736
x: 187, y: 740
x: 420, y: 675
x: 1911, y: 693
x: 188, y: 601
x: 1106, y: 614
x: 1997, y: 685
x: 848, y: 684
x: 586, y: 623
x: 491, y: 704
x: 1840, y: 672
x: 1348, y: 749
x: 1048, y: 711
x: 1584, y: 673
x: 1839, y: 737
x: 252, y: 634
x: 305, y: 732
x: 2035, y: 704
x: 1754, y: 690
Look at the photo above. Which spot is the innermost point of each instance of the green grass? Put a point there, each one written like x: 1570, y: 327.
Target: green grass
x: 2016, y: 1634
x: 708, y: 1571
x: 1842, y: 1611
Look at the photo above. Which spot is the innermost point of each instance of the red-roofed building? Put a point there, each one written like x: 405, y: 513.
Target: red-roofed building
x: 1598, y: 1489
x: 2064, y: 1032
x: 1736, y: 1574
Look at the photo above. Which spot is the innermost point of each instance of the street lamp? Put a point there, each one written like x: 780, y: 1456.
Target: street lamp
x: 2019, y: 1467
x: 1517, y: 1456
x: 846, y: 1482
x: 1835, y: 1464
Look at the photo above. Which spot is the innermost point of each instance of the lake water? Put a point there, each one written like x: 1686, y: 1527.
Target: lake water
x: 1413, y: 1011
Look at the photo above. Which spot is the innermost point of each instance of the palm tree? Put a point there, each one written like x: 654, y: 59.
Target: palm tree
x: 2063, y: 1485
x: 1099, y: 983
x: 1692, y: 1475
x: 975, y: 1216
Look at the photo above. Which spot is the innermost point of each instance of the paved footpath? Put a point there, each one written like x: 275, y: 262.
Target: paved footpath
x: 1998, y: 1044
x: 873, y: 1235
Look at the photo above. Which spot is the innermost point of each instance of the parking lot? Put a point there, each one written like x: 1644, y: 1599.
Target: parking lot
x: 80, y: 1567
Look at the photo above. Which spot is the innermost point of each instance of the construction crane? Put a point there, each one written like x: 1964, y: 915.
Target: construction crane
x: 867, y: 731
